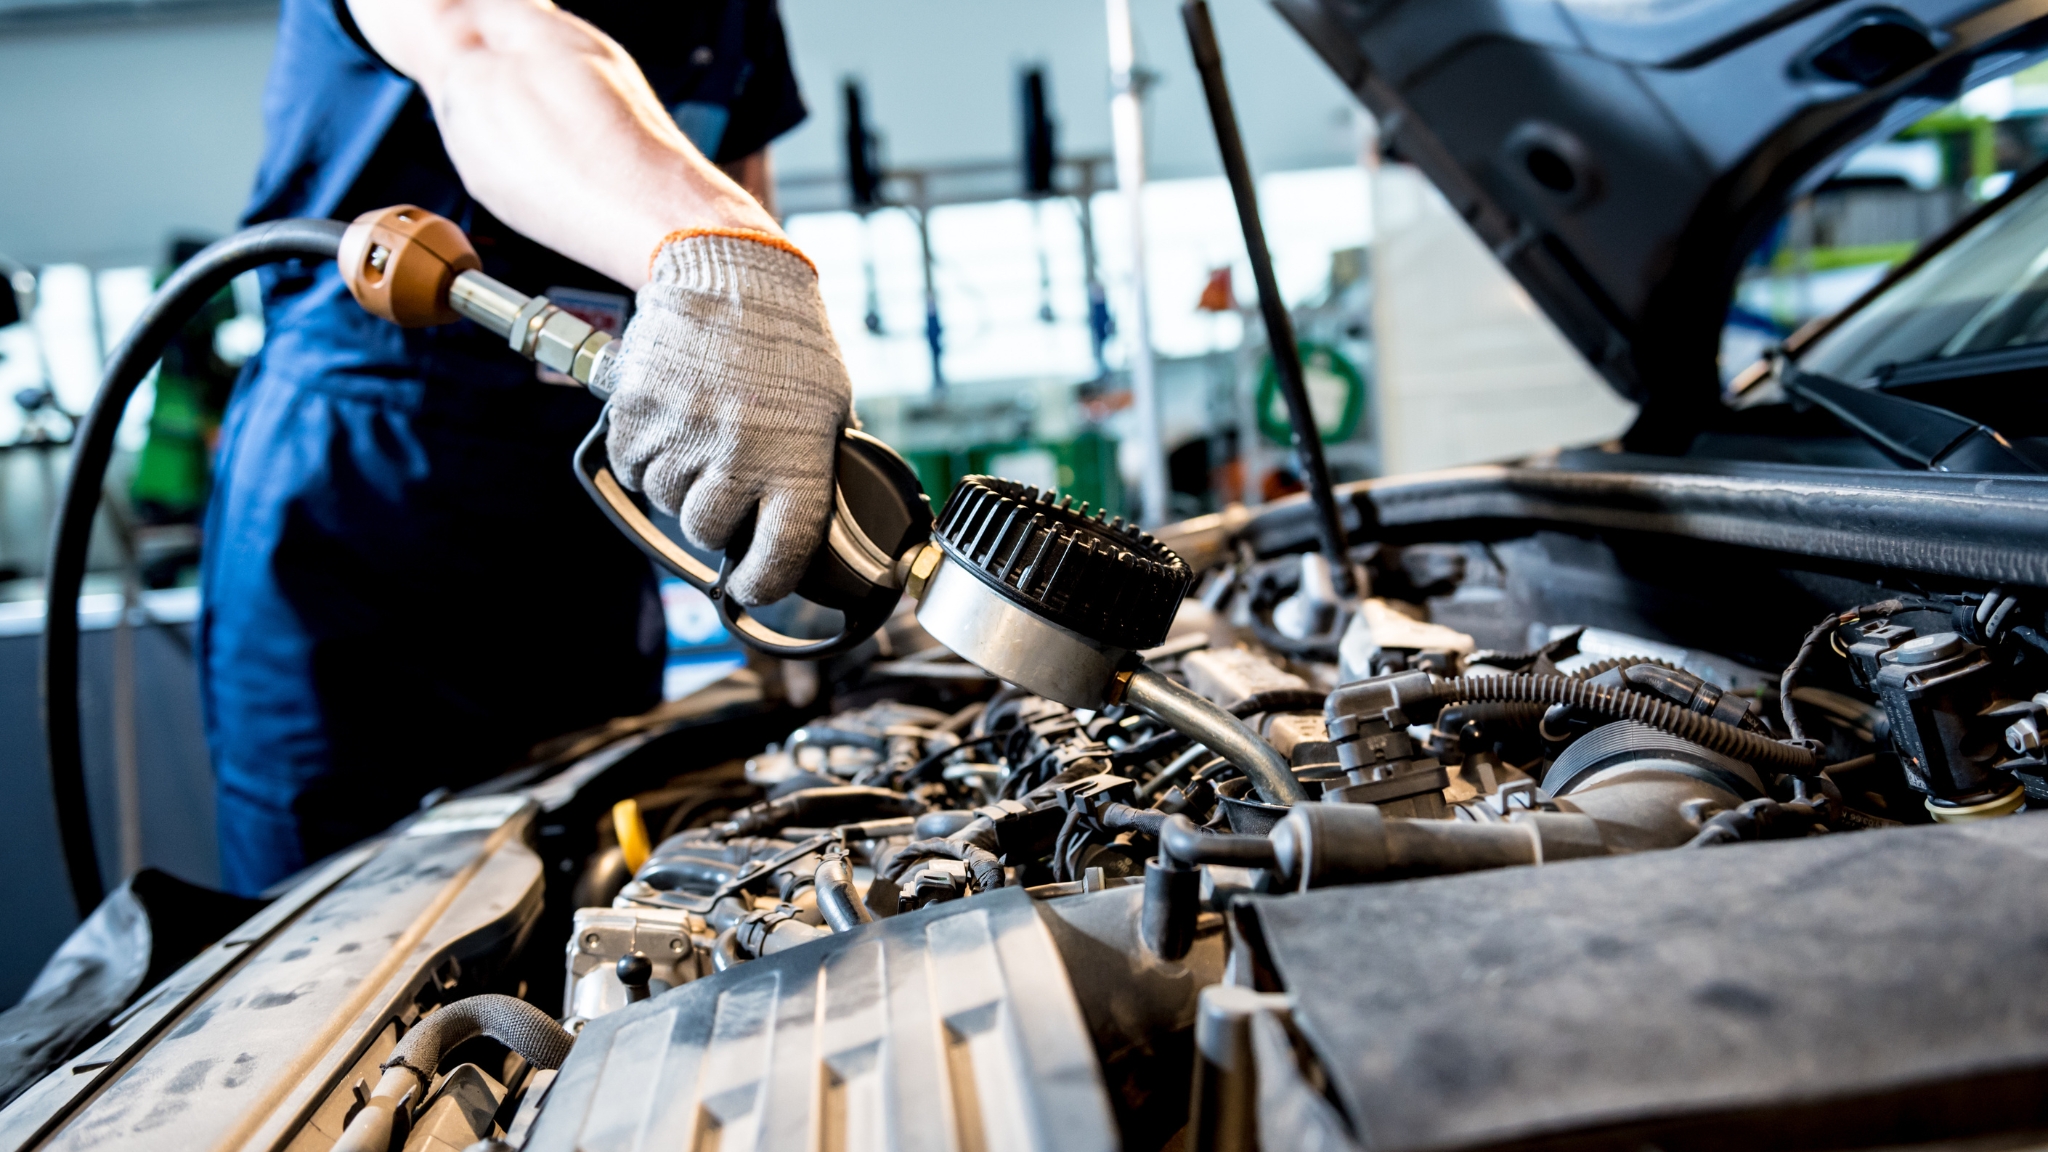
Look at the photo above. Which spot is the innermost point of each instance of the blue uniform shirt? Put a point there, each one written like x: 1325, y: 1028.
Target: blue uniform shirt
x: 404, y: 586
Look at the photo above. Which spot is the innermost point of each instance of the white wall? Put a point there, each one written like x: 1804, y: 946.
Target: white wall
x: 941, y: 82
x: 113, y: 139
x: 1469, y: 370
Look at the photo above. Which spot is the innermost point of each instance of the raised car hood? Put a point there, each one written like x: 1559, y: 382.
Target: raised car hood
x: 1621, y: 157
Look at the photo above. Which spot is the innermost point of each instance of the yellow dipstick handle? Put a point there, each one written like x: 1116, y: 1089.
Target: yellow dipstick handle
x: 632, y: 833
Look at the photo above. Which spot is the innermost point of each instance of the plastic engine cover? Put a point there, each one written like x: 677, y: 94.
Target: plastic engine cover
x: 953, y: 1027
x: 1840, y: 991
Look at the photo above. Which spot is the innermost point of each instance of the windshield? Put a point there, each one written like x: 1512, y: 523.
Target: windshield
x: 1987, y: 291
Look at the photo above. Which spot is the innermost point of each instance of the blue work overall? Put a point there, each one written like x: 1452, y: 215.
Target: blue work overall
x: 404, y: 587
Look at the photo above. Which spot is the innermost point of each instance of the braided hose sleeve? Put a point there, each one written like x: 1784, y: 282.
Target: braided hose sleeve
x: 514, y: 1023
x: 1523, y: 714
x: 1754, y: 749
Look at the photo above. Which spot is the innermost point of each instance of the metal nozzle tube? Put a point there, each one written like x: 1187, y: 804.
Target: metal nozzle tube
x: 535, y: 328
x: 478, y: 297
x: 1217, y: 730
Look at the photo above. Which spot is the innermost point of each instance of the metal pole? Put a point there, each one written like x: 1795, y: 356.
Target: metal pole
x: 1098, y: 299
x: 127, y: 758
x: 934, y: 331
x: 1127, y: 126
x: 1308, y: 441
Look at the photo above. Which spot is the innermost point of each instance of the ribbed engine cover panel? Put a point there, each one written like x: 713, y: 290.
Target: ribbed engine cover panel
x: 950, y: 1028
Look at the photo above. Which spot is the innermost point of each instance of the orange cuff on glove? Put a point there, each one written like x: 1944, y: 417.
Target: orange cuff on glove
x: 758, y: 237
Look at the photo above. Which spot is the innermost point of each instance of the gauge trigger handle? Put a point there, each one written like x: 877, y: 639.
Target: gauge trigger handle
x: 880, y: 515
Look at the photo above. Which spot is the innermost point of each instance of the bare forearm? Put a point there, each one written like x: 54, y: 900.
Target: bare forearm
x: 553, y: 128
x: 756, y: 174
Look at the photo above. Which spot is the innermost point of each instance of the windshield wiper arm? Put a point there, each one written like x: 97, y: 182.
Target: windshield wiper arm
x: 1914, y: 434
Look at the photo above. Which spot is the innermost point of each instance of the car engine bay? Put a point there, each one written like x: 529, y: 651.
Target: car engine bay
x: 1601, y: 799
x: 1529, y: 803
x: 934, y: 907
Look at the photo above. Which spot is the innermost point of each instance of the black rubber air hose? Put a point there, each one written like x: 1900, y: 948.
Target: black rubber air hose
x: 1180, y: 840
x: 682, y: 871
x: 1272, y: 700
x: 514, y: 1023
x: 918, y: 771
x: 92, y: 447
x: 1621, y: 704
x: 378, y: 1123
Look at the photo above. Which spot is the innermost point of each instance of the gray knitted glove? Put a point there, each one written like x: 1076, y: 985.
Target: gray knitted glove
x: 728, y: 396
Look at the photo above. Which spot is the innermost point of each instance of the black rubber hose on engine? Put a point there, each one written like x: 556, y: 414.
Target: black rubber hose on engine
x: 517, y: 1025
x: 92, y: 448
x: 682, y: 871
x: 1272, y: 700
x: 1619, y: 704
x: 1182, y: 841
x: 921, y: 770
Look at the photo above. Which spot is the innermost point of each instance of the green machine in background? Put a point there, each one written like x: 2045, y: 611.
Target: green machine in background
x: 1083, y: 467
x: 174, y: 471
x: 1336, y: 393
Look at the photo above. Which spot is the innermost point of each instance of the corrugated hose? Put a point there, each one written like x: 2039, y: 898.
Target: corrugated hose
x: 1750, y: 747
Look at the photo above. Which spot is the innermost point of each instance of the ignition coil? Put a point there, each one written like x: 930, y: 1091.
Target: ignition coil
x: 1939, y: 692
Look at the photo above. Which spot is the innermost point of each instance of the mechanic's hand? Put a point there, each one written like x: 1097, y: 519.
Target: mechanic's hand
x: 728, y: 396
